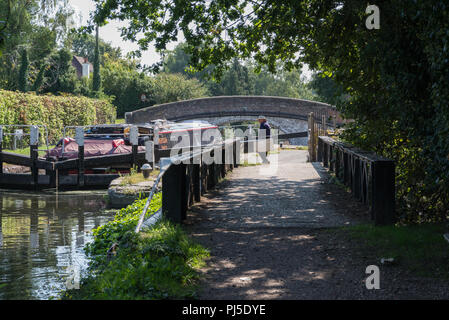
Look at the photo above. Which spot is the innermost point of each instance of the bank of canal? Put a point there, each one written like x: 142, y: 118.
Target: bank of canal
x: 42, y: 235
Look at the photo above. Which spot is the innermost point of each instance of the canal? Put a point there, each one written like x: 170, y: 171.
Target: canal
x: 42, y: 236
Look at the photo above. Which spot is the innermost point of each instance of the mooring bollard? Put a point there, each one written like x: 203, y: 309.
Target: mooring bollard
x: 79, y: 137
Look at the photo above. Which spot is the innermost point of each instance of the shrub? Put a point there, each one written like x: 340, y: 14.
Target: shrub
x: 55, y: 112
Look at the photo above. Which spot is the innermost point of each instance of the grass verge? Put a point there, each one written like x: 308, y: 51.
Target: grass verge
x: 419, y: 248
x: 160, y: 263
x: 135, y: 178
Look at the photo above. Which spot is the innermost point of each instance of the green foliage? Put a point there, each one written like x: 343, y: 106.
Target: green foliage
x: 175, y: 87
x: 53, y: 111
x: 122, y: 81
x: 241, y: 78
x: 60, y: 75
x: 125, y: 221
x: 23, y: 73
x: 83, y: 45
x: 39, y: 79
x: 327, y: 89
x: 155, y: 264
x: 35, y: 25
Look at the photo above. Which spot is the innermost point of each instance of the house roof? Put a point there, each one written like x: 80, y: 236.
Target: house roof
x: 82, y: 60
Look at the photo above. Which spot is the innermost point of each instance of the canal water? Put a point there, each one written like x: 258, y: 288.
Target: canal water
x: 42, y: 236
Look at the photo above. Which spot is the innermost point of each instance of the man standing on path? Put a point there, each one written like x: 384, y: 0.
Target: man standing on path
x: 264, y: 138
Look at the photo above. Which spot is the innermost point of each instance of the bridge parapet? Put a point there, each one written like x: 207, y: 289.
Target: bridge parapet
x: 225, y: 106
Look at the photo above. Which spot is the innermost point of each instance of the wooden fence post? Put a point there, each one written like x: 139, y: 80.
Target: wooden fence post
x: 79, y: 137
x: 196, y: 182
x: 312, y: 138
x: 320, y: 150
x: 173, y: 190
x: 383, y: 192
x: 34, y: 144
x: 356, y: 180
x: 1, y: 151
x: 325, y: 155
x: 204, y: 178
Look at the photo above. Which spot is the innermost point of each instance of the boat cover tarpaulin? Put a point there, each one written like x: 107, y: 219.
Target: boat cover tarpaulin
x: 92, y: 148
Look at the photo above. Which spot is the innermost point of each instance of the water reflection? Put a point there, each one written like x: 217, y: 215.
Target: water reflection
x: 41, y: 235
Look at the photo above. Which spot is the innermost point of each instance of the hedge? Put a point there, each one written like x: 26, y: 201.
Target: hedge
x: 55, y: 112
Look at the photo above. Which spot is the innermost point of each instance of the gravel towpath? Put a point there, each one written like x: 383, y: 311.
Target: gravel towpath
x: 270, y: 232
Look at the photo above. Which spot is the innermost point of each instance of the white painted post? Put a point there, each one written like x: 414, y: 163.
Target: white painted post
x: 134, y: 135
x: 79, y: 136
x: 134, y: 139
x: 156, y: 136
x: 149, y: 151
x: 34, y: 136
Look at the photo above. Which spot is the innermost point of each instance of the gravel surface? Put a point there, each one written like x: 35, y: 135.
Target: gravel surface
x: 272, y: 232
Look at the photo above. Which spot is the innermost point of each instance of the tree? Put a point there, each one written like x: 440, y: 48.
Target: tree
x: 5, y: 9
x: 326, y: 88
x: 84, y: 45
x: 60, y: 76
x: 39, y: 81
x: 394, y: 78
x: 236, y: 81
x: 176, y: 87
x: 37, y: 25
x: 23, y: 73
x: 96, y: 86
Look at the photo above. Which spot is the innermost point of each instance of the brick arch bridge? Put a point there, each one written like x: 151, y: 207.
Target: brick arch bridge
x: 288, y: 114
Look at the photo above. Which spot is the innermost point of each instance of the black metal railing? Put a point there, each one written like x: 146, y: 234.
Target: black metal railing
x: 370, y: 177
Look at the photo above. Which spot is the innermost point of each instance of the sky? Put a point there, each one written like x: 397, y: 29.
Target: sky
x: 110, y: 33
